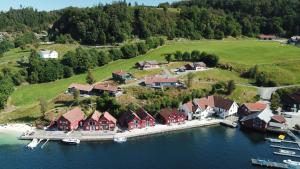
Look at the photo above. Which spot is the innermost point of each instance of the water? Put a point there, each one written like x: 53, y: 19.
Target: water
x: 205, y: 148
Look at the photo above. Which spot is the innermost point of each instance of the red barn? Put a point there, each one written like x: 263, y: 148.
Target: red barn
x: 170, y: 116
x: 92, y: 122
x: 146, y: 119
x: 257, y: 121
x: 251, y: 108
x: 107, y: 122
x: 71, y: 120
x: 130, y: 120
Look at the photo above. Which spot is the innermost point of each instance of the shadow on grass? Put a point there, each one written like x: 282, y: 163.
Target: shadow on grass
x: 25, y: 119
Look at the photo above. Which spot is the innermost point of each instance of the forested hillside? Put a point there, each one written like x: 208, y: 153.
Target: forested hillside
x: 26, y: 19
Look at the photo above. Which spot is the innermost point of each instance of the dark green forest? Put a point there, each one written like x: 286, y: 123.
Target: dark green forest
x: 194, y: 19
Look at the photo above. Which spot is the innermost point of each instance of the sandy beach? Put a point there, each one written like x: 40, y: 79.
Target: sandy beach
x: 15, y: 128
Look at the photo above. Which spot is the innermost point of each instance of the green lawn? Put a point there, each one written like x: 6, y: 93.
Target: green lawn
x: 271, y: 56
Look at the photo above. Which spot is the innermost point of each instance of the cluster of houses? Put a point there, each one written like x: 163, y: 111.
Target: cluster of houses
x: 199, y: 109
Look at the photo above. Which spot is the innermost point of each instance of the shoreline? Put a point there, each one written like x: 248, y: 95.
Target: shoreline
x: 110, y: 136
x: 17, y: 128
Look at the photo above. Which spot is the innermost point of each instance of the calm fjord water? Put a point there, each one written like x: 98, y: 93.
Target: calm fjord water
x: 203, y: 148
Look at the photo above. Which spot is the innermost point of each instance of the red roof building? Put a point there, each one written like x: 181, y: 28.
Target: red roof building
x: 250, y: 108
x: 278, y: 119
x: 121, y: 76
x: 158, y: 82
x: 82, y: 88
x: 107, y: 122
x: 170, y: 116
x: 266, y: 37
x: 110, y: 89
x: 71, y: 120
x: 92, y: 122
x: 147, y: 65
x: 130, y: 120
x: 146, y: 119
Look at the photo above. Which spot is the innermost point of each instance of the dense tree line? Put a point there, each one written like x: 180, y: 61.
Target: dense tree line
x: 211, y: 60
x: 81, y: 60
x: 26, y: 19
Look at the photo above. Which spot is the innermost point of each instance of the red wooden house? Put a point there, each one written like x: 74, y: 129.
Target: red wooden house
x: 107, y: 122
x: 71, y: 120
x: 130, y: 120
x: 171, y: 116
x: 146, y: 119
x: 92, y: 122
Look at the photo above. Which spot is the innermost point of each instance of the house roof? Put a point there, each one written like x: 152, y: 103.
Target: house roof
x: 278, y: 118
x: 190, y: 106
x: 199, y: 64
x: 128, y: 116
x: 214, y: 101
x: 151, y: 62
x: 167, y: 112
x: 95, y: 116
x: 81, y: 87
x: 109, y: 117
x: 156, y: 79
x: 120, y: 72
x: 265, y: 115
x: 74, y: 115
x: 255, y: 106
x: 142, y: 113
x: 106, y: 87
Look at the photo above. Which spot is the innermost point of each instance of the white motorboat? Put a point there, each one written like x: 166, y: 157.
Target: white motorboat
x: 287, y: 152
x: 293, y: 163
x: 120, y: 139
x: 71, y: 141
x: 275, y: 140
x: 33, y: 143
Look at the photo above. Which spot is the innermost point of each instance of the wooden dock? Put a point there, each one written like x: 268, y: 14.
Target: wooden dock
x: 289, y: 155
x: 284, y: 147
x: 291, y: 134
x: 266, y: 163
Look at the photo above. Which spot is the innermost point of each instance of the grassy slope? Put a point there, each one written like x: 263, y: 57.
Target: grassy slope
x: 240, y: 52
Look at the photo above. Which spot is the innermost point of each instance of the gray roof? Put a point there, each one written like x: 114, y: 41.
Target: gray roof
x: 265, y: 115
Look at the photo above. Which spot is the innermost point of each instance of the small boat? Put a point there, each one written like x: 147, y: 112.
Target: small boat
x: 287, y: 152
x: 292, y: 163
x: 275, y: 140
x: 71, y: 141
x: 33, y: 143
x: 281, y: 137
x: 120, y: 139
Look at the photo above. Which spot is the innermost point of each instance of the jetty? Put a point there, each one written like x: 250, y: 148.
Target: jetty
x: 284, y: 147
x: 289, y: 155
x: 229, y: 123
x: 294, y: 137
x: 266, y: 163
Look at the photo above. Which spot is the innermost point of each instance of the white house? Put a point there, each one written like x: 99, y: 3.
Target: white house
x: 48, y: 54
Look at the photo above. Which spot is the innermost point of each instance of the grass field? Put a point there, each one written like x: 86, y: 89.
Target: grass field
x: 270, y: 56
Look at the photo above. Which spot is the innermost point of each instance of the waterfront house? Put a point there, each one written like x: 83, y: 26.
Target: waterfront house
x: 195, y: 66
x: 224, y: 107
x: 113, y: 90
x: 48, y: 54
x: 160, y: 82
x: 257, y: 121
x: 250, y: 108
x: 71, y: 120
x: 291, y: 102
x: 205, y: 107
x: 190, y: 110
x: 130, y: 120
x: 107, y: 122
x: 266, y: 37
x: 121, y: 76
x: 146, y: 119
x: 84, y: 89
x: 147, y: 65
x: 92, y: 122
x: 171, y: 116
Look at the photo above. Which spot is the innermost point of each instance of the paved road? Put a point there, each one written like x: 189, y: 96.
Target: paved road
x: 266, y: 92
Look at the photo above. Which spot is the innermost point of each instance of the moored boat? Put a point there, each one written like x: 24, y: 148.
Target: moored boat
x: 274, y: 140
x: 293, y: 163
x: 120, y: 139
x: 71, y: 141
x: 33, y: 143
x: 287, y: 152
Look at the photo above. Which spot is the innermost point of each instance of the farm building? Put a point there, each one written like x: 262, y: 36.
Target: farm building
x: 147, y: 65
x: 48, y: 54
x: 171, y: 116
x: 266, y: 37
x: 121, y: 76
x: 84, y: 89
x: 146, y: 119
x: 113, y: 90
x: 159, y: 82
x: 71, y: 120
x: 250, y: 108
x: 130, y: 120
